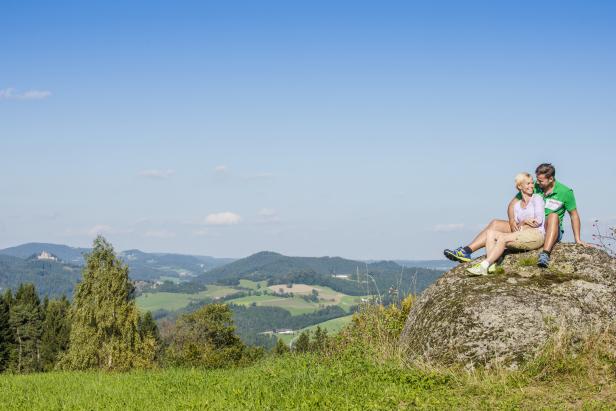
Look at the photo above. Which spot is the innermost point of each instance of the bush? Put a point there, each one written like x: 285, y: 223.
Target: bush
x: 206, y: 338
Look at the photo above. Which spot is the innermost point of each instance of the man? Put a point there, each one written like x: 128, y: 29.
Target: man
x: 558, y: 199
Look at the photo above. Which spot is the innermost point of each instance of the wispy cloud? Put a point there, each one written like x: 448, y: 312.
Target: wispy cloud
x: 260, y: 176
x: 12, y: 94
x: 446, y: 228
x: 99, y: 229
x: 159, y: 234
x: 268, y: 215
x: 221, y: 169
x: 155, y: 174
x: 224, y: 218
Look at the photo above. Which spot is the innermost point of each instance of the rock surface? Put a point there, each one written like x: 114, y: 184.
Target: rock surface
x: 506, y: 318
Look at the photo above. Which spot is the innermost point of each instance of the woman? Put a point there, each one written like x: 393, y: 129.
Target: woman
x: 530, y: 232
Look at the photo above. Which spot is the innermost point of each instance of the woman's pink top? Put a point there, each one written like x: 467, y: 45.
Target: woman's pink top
x: 534, y: 209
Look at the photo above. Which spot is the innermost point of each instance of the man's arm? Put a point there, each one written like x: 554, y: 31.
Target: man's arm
x: 576, y: 226
x: 511, y: 215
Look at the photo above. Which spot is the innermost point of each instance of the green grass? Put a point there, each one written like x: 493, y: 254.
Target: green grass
x: 253, y: 284
x: 295, y: 305
x: 300, y: 382
x: 175, y: 301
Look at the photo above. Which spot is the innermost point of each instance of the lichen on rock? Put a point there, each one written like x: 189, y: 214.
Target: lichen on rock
x: 505, y: 319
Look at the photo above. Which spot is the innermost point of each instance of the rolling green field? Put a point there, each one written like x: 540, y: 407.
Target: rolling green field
x: 301, y: 382
x: 332, y: 327
x: 176, y: 301
x: 295, y: 305
x: 253, y: 284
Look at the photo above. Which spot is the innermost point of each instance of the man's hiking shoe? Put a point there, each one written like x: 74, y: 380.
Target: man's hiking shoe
x: 477, y: 270
x: 544, y: 260
x: 458, y: 255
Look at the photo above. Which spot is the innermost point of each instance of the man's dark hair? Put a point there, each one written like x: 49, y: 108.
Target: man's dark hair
x: 546, y: 169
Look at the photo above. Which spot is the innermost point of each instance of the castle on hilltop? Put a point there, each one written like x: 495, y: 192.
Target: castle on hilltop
x: 44, y: 255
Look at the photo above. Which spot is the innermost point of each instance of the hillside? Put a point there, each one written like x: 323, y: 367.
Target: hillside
x: 51, y: 278
x: 143, y: 266
x: 278, y: 268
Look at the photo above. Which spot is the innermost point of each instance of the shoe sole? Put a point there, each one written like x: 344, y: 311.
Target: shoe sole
x: 453, y: 257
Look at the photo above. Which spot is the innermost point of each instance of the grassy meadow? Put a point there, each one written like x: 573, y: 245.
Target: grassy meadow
x: 176, y: 301
x: 307, y: 382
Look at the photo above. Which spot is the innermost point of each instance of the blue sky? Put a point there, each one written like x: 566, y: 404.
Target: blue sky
x: 361, y: 129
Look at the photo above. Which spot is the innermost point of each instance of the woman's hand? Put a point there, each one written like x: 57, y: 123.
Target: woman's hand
x: 531, y: 223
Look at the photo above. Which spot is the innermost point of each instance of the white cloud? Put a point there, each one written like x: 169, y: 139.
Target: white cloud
x: 12, y: 94
x: 224, y: 218
x: 201, y: 232
x: 159, y: 234
x: 446, y: 228
x: 157, y: 174
x: 221, y: 169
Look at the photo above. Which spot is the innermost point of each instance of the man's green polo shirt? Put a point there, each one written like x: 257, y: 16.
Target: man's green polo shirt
x: 561, y: 199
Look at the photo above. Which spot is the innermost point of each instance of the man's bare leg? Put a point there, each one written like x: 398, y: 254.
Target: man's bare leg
x: 501, y: 226
x: 552, y: 226
x: 551, y: 232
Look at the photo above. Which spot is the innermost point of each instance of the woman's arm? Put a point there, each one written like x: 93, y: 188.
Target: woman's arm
x: 539, y: 210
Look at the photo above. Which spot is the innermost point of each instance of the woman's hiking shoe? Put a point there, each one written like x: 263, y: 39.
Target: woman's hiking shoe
x: 477, y: 269
x: 458, y: 255
x: 544, y: 260
x: 492, y: 268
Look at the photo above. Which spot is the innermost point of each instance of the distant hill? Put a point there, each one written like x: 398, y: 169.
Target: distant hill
x: 143, y: 266
x: 72, y: 255
x: 51, y: 278
x: 327, y: 271
x: 444, y: 265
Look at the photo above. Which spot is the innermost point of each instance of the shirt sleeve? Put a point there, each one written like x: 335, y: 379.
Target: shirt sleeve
x: 539, y: 209
x: 570, y: 201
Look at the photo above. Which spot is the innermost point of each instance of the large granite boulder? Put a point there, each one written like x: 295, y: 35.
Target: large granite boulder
x: 506, y: 318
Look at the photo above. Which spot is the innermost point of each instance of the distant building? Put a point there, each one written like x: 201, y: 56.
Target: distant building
x: 44, y: 255
x: 343, y: 276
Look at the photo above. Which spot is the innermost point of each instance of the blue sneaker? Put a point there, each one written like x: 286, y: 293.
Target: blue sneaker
x: 458, y: 255
x: 544, y: 260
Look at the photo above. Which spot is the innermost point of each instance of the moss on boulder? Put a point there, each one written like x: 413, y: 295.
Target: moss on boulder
x: 505, y: 319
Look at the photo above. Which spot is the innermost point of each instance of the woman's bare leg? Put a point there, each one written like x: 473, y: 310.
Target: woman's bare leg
x: 501, y: 226
x: 490, y: 240
x: 499, y: 246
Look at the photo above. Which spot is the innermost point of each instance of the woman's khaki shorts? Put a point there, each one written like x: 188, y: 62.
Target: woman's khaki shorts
x: 529, y: 239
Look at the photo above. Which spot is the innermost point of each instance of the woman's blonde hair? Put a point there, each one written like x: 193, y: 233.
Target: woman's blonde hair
x: 521, y: 178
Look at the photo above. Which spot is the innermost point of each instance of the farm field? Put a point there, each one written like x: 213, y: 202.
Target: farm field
x: 253, y: 285
x: 176, y: 301
x: 295, y: 305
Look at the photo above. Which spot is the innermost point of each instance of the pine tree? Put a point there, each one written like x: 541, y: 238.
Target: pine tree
x: 56, y: 331
x: 303, y: 342
x: 6, y: 336
x: 104, y: 328
x: 26, y: 323
x: 149, y: 329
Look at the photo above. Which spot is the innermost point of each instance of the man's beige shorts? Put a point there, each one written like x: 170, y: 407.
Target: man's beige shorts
x: 528, y: 239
